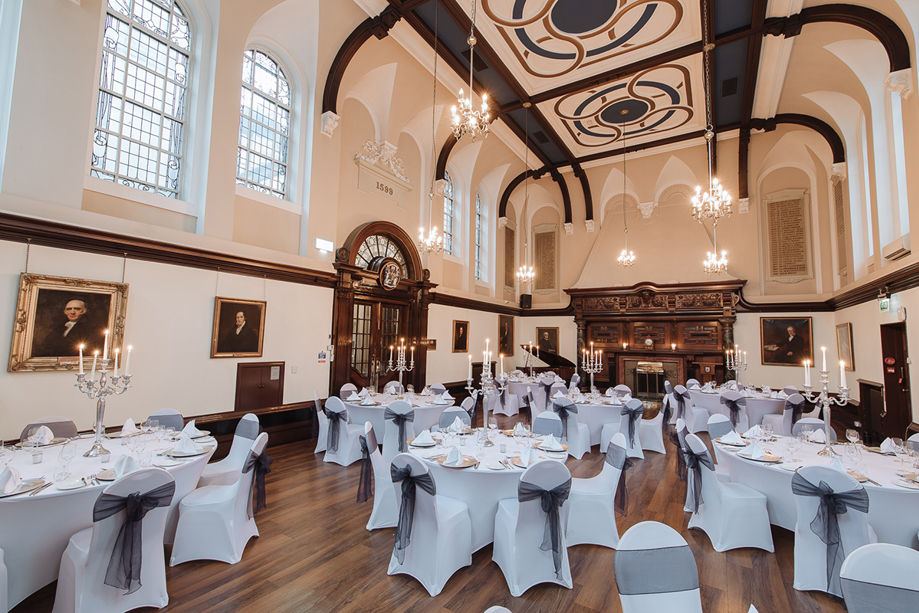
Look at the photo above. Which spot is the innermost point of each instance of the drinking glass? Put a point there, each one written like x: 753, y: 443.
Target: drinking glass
x: 767, y: 432
x: 792, y: 444
x: 898, y: 449
x: 65, y: 457
x: 410, y: 389
x: 492, y: 423
x: 806, y: 432
x: 150, y: 426
x: 852, y: 435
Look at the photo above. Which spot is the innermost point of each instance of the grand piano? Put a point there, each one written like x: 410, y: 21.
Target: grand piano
x: 562, y: 366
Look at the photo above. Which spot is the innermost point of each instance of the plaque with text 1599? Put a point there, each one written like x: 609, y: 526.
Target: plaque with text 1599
x: 374, y: 183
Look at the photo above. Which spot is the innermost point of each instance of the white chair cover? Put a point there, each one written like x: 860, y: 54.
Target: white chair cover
x: 468, y: 405
x: 656, y: 571
x: 509, y: 407
x: 591, y: 516
x: 719, y: 425
x: 438, y: 388
x: 81, y: 581
x: 701, y: 405
x: 393, y: 387
x: 622, y: 391
x: 813, y: 565
x: 783, y: 424
x: 578, y: 438
x: 391, y: 445
x: 346, y: 390
x: 731, y: 514
x: 449, y: 416
x: 547, y: 422
x: 691, y: 383
x: 681, y: 432
x: 59, y: 426
x: 497, y: 609
x: 651, y: 433
x: 881, y: 578
x: 790, y: 389
x: 634, y: 445
x: 215, y: 522
x: 385, y: 512
x: 736, y: 399
x: 441, y: 534
x: 4, y: 606
x: 815, y: 424
x: 349, y: 446
x: 170, y: 418
x: 321, y: 438
x: 543, y: 391
x: 227, y: 470
x: 521, y: 527
x: 913, y: 442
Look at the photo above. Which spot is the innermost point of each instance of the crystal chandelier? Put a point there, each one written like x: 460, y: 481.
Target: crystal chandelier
x: 432, y: 243
x: 714, y: 203
x: 465, y: 119
x: 713, y: 265
x: 626, y: 258
x: 526, y: 274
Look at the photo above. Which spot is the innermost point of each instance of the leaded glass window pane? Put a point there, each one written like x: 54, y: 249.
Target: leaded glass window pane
x: 449, y: 214
x: 479, y: 239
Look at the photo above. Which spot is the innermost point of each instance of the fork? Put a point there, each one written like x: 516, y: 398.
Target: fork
x: 38, y: 489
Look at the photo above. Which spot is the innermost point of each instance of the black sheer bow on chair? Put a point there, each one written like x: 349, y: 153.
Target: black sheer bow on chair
x: 262, y: 465
x: 365, y: 484
x: 695, y: 462
x: 734, y: 402
x: 400, y: 419
x: 527, y: 400
x: 617, y: 457
x: 826, y: 522
x: 634, y: 409
x: 667, y: 410
x: 682, y: 400
x: 502, y: 394
x: 562, y: 408
x: 796, y: 408
x: 551, y: 502
x: 407, y: 508
x: 679, y: 441
x: 124, y: 566
x: 335, y: 421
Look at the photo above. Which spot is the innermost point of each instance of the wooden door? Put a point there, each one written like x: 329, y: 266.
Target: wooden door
x: 375, y: 327
x: 259, y: 385
x: 894, y: 352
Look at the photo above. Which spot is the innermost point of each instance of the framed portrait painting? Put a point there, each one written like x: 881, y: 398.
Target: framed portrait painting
x: 505, y: 335
x: 239, y: 328
x: 844, y: 345
x: 55, y: 315
x: 547, y: 339
x: 460, y: 336
x: 786, y: 341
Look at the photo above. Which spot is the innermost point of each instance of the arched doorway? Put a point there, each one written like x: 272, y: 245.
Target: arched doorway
x: 382, y: 296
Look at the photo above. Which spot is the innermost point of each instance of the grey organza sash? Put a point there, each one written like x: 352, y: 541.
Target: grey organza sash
x: 527, y: 400
x: 734, y: 405
x: 262, y: 465
x: 124, y: 566
x: 400, y: 419
x: 365, y: 484
x: 680, y: 459
x: 695, y: 462
x: 634, y: 409
x: 826, y: 522
x: 546, y: 387
x: 667, y: 410
x: 865, y: 596
x: 718, y: 429
x: 796, y: 408
x: 502, y: 394
x: 335, y: 421
x: 551, y: 502
x: 248, y: 429
x: 655, y: 571
x: 407, y: 509
x: 617, y: 457
x: 562, y: 410
x: 682, y: 400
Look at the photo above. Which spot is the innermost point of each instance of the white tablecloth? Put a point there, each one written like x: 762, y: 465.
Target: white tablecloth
x: 481, y: 488
x: 427, y: 414
x: 35, y: 530
x: 893, y: 511
x: 758, y: 405
x: 520, y: 389
x: 595, y: 415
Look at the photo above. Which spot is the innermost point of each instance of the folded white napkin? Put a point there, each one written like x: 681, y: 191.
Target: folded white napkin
x: 559, y: 379
x: 129, y: 427
x: 446, y: 395
x: 364, y: 393
x: 454, y: 458
x: 125, y: 465
x: 559, y: 394
x: 755, y: 452
x: 818, y: 436
x: 888, y: 447
x: 695, y: 386
x: 610, y: 391
x: 439, y: 399
x: 732, y: 437
x: 367, y: 401
x: 426, y: 391
x: 754, y: 432
x: 782, y: 395
x: 354, y: 397
x: 44, y: 435
x: 424, y: 438
x: 580, y: 398
x: 9, y: 480
x: 551, y: 444
x: 837, y: 465
x: 184, y: 444
x: 191, y: 430
x: 528, y: 455
x: 458, y: 425
x: 518, y: 428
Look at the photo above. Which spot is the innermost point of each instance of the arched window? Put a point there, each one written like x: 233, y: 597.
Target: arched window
x: 264, y: 125
x: 449, y: 216
x: 480, y: 238
x: 143, y: 88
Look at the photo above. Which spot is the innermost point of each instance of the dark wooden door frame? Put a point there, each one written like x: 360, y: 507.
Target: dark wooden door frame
x: 241, y: 377
x: 897, y: 405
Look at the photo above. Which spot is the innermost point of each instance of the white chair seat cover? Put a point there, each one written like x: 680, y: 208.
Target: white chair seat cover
x: 591, y: 513
x: 227, y: 470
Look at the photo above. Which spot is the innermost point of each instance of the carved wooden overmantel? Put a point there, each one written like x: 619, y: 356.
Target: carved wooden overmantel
x: 689, y: 326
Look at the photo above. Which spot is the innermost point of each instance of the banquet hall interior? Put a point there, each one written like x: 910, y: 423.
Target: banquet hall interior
x: 231, y: 209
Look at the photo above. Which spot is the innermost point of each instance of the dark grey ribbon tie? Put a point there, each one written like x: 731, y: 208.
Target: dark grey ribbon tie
x: 618, y: 458
x: 796, y: 408
x: 124, y: 566
x: 407, y: 509
x: 734, y: 405
x: 527, y: 402
x: 635, y: 415
x: 502, y: 394
x: 695, y: 462
x: 400, y: 419
x: 667, y: 410
x: 551, y: 502
x: 563, y: 410
x: 682, y: 403
x: 826, y: 522
x: 335, y: 421
x: 365, y: 484
x: 262, y: 465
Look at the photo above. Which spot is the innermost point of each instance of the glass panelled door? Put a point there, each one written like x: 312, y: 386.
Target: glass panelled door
x: 375, y: 328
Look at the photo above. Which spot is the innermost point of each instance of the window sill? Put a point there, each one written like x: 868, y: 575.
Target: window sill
x: 452, y: 258
x: 285, y: 205
x: 116, y: 190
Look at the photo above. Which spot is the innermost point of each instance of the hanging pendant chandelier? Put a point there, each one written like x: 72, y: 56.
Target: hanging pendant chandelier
x: 526, y: 274
x: 626, y: 258
x: 713, y: 265
x: 467, y: 120
x: 433, y: 242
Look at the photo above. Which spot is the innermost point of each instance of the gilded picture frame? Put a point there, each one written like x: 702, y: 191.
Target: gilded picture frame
x: 460, y: 336
x: 844, y: 346
x: 786, y: 341
x: 239, y: 328
x: 506, y: 335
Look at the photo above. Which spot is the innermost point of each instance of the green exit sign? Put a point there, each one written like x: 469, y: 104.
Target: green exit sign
x: 885, y: 304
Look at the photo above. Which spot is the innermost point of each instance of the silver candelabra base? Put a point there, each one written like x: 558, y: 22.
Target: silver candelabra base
x: 98, y: 391
x: 825, y: 402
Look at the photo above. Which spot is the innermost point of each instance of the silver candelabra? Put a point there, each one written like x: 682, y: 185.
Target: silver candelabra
x: 591, y: 363
x: 488, y: 386
x: 98, y: 390
x: 825, y: 401
x: 734, y: 365
x: 401, y: 365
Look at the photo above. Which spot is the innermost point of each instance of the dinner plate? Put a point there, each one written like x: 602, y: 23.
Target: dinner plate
x: 495, y: 466
x: 769, y: 459
x: 204, y: 450
x: 911, y: 477
x: 517, y: 462
x: 120, y: 435
x: 27, y: 485
x: 718, y: 440
x: 54, y: 441
x: 557, y: 455
x: 907, y: 484
x: 467, y: 462
x: 106, y: 475
x: 205, y: 439
x: 564, y: 448
x: 168, y: 462
x: 202, y: 435
x: 857, y: 476
x: 792, y: 467
x: 74, y: 484
x: 414, y: 444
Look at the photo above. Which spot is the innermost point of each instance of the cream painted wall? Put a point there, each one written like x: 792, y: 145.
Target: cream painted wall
x: 169, y: 322
x: 445, y: 366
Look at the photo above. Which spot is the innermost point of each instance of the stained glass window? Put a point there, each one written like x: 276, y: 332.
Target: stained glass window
x: 449, y: 215
x: 143, y: 88
x: 479, y: 239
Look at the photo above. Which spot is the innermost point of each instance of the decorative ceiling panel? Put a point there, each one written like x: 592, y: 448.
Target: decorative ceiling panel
x: 667, y: 100
x: 548, y: 43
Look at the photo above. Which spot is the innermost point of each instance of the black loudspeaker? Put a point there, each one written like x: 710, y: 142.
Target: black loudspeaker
x: 526, y: 301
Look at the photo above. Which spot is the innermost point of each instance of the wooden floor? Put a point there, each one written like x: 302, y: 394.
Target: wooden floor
x: 315, y: 555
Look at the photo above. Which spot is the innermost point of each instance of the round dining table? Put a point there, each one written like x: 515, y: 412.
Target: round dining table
x: 35, y: 530
x: 596, y: 413
x: 482, y: 486
x: 893, y: 509
x: 758, y: 404
x: 427, y: 411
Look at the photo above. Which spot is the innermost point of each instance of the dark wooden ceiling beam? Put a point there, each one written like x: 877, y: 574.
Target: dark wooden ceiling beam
x: 818, y: 125
x: 585, y: 187
x: 754, y: 50
x: 443, y: 157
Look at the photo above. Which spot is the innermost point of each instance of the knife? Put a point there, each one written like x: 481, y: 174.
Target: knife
x: 38, y: 489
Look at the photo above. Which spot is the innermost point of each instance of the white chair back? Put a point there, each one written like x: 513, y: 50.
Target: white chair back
x: 393, y: 387
x: 633, y: 446
x: 4, y: 606
x: 60, y: 427
x: 726, y: 400
x: 691, y: 383
x: 609, y: 476
x: 719, y: 425
x: 814, y: 423
x: 391, y: 430
x: 450, y: 414
x: 323, y: 422
x: 622, y: 391
x: 880, y: 577
x: 913, y: 442
x: 656, y: 571
x: 790, y: 389
x: 438, y: 388
x: 711, y: 487
x: 247, y: 430
x: 170, y: 418
x: 571, y: 419
x: 380, y: 466
x: 467, y: 404
x: 424, y: 525
x: 531, y: 519
x: 346, y: 390
x: 788, y: 411
x: 547, y: 422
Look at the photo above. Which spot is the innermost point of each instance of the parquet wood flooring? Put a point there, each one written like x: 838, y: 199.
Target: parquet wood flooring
x: 314, y: 555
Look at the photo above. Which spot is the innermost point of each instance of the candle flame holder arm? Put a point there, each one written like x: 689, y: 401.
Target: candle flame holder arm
x: 401, y: 366
x: 825, y: 401
x: 488, y: 386
x: 98, y: 390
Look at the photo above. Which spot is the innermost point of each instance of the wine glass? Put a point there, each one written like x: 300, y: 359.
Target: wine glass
x: 806, y: 432
x: 852, y: 435
x: 66, y: 455
x: 492, y: 423
x: 410, y: 389
x: 793, y: 446
x: 767, y: 432
x: 898, y: 449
